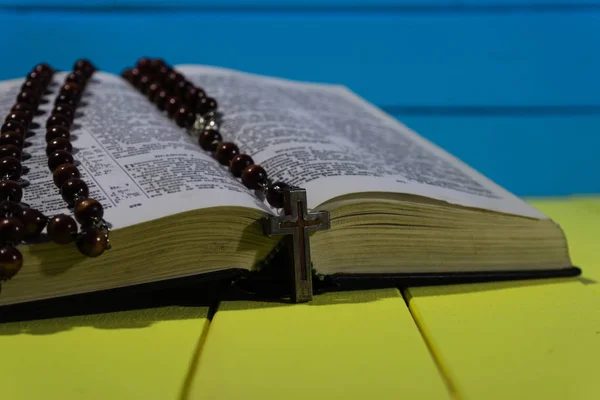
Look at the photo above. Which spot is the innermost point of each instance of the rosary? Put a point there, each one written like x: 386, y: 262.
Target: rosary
x: 21, y: 223
x: 190, y: 108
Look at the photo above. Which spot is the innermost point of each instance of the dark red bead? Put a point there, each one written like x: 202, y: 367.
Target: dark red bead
x: 61, y: 229
x: 11, y: 137
x: 44, y: 69
x: 11, y: 262
x: 225, y: 152
x: 135, y: 75
x: 156, y: 65
x: 14, y: 126
x: 65, y: 110
x: 57, y: 132
x: 72, y: 89
x: 76, y: 77
x: 184, y: 116
x: 172, y: 106
x: 59, y: 157
x: 19, y: 116
x: 58, y: 143
x: 65, y: 99
x: 29, y: 97
x: 11, y: 230
x: 210, y: 139
x: 153, y: 90
x: 143, y: 64
x: 33, y: 221
x: 10, y: 168
x: 10, y: 150
x: 74, y: 189
x: 39, y: 77
x: 275, y: 194
x: 206, y: 105
x: 181, y: 88
x: 171, y: 81
x: 193, y: 95
x: 58, y: 120
x: 87, y: 211
x: 63, y: 173
x: 144, y: 83
x: 85, y: 66
x: 10, y: 190
x: 24, y: 107
x: 34, y: 86
x: 254, y: 177
x: 161, y: 99
x: 239, y: 163
x: 9, y: 208
x: 92, y: 242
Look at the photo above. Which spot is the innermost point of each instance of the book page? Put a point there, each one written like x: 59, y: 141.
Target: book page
x: 329, y: 141
x: 139, y: 164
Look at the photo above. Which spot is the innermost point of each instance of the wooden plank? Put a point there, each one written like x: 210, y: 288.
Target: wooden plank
x: 142, y: 354
x: 392, y: 58
x: 530, y: 155
x: 354, y: 345
x: 518, y: 340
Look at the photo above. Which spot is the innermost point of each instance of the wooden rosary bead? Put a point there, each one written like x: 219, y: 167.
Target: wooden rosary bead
x: 28, y: 96
x: 44, y: 69
x: 172, y: 106
x: 64, y: 110
x: 58, y: 143
x: 72, y: 89
x: 36, y: 87
x: 206, y: 105
x: 144, y: 64
x: 59, y: 157
x: 239, y: 163
x: 33, y: 221
x: 58, y: 120
x: 10, y: 208
x: 210, y: 139
x: 158, y: 65
x: 144, y: 82
x: 184, y: 117
x: 24, y: 107
x: 18, y: 116
x: 12, y: 230
x: 193, y: 95
x: 36, y: 76
x: 254, y: 177
x: 161, y: 99
x: 57, y: 131
x: 10, y: 168
x: 85, y: 66
x: 74, y: 189
x: 61, y: 229
x: 10, y: 150
x: 225, y: 152
x: 76, y: 77
x: 15, y: 127
x: 10, y: 190
x: 63, y: 173
x: 87, y: 211
x: 11, y: 261
x: 92, y: 242
x: 275, y: 194
x: 65, y: 99
x: 11, y: 137
x: 153, y: 90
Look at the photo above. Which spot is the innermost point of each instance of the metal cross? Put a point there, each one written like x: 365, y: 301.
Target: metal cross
x: 297, y: 223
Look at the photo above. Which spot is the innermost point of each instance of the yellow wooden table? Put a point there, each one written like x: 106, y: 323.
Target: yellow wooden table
x: 534, y: 339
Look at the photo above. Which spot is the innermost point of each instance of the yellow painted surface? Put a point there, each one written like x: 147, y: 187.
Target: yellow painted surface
x: 126, y: 355
x: 522, y: 340
x: 355, y: 345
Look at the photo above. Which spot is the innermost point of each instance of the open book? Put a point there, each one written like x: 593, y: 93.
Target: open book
x: 399, y: 205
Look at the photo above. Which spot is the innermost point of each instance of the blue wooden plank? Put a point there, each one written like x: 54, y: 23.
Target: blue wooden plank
x: 397, y: 59
x: 528, y: 155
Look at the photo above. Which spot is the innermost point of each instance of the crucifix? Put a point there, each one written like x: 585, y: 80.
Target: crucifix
x: 296, y: 223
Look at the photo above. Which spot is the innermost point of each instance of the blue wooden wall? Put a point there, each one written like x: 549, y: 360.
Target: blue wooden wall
x: 510, y: 86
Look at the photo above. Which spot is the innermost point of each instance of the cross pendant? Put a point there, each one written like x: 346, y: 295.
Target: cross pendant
x: 296, y: 225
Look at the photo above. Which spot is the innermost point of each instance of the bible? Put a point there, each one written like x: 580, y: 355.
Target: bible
x: 401, y: 209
